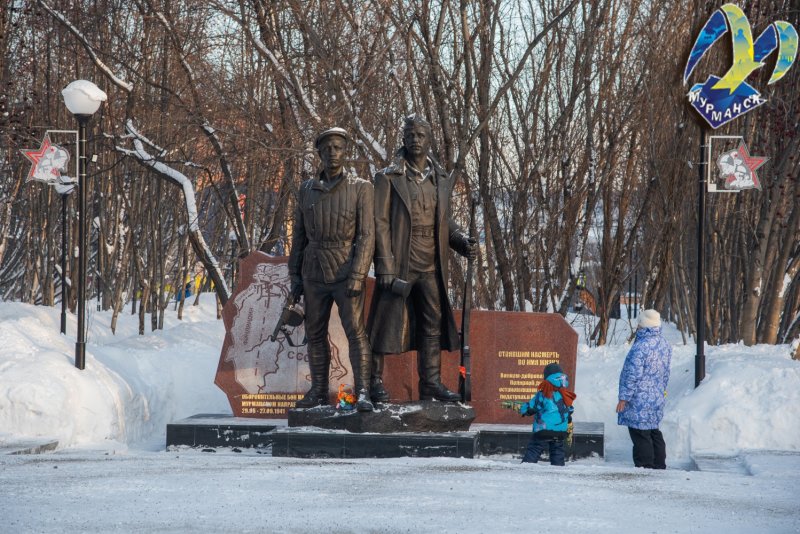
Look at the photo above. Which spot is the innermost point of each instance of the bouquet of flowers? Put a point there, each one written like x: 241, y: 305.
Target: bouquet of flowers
x: 345, y: 400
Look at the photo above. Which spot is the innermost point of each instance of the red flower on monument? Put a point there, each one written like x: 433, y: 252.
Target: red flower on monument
x: 345, y: 400
x: 47, y: 162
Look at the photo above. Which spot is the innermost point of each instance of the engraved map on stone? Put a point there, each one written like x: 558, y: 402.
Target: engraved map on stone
x: 252, y: 364
x: 257, y: 309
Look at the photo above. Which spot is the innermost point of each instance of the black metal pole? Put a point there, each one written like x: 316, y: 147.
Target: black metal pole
x: 80, y: 344
x: 700, y: 357
x: 64, y: 241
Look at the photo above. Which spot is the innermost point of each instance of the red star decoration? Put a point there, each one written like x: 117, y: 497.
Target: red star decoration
x: 35, y: 155
x: 752, y: 162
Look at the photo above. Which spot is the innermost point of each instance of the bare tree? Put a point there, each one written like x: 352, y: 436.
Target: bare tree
x: 566, y: 117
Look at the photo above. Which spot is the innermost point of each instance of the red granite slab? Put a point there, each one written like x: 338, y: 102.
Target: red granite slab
x: 263, y: 378
x: 509, y: 352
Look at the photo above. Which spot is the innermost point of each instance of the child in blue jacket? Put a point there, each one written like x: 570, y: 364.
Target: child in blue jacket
x: 551, y: 409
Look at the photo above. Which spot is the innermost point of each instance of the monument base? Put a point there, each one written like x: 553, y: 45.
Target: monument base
x: 274, y: 437
x: 420, y: 416
x: 317, y: 443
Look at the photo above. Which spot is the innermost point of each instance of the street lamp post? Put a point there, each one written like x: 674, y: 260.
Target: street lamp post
x: 83, y: 99
x: 700, y: 311
x: 64, y: 241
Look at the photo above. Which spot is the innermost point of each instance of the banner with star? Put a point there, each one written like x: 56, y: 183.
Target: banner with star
x: 737, y: 168
x: 47, y: 162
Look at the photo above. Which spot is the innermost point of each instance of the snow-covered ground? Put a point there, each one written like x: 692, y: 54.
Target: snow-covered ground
x: 733, y: 447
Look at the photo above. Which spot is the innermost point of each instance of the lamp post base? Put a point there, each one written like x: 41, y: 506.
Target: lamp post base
x: 80, y: 355
x: 699, y: 368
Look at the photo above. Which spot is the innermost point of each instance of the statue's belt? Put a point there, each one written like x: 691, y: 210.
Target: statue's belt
x: 330, y: 244
x: 423, y: 231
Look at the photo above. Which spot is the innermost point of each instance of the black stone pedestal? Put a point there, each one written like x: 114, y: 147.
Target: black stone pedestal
x: 273, y: 436
x: 309, y: 443
x: 222, y: 430
x: 587, y: 440
x: 421, y: 416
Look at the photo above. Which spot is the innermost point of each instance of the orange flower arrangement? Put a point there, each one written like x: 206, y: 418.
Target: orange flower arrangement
x: 345, y: 400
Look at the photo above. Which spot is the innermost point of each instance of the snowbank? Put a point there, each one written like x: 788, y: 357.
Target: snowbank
x: 134, y: 385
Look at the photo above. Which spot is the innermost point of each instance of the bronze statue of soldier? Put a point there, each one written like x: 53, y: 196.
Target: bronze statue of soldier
x: 332, y: 246
x: 413, y: 232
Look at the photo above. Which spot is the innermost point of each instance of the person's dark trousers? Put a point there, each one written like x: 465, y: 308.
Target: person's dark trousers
x: 319, y: 299
x: 649, y: 449
x: 426, y: 298
x: 536, y: 448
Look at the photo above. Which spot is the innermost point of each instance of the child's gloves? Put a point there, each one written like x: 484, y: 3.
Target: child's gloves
x: 514, y: 405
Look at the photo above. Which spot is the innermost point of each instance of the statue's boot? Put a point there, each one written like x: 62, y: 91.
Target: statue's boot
x: 319, y: 358
x: 429, y: 365
x: 361, y: 362
x: 377, y: 391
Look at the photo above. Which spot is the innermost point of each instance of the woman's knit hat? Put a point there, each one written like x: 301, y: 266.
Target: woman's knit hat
x: 649, y: 319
